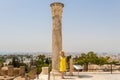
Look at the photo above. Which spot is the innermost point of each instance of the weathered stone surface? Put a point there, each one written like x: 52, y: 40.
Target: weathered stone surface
x: 56, y: 34
x: 71, y: 66
x: 16, y: 71
x: 44, y: 71
x: 22, y: 70
x: 4, y: 71
x: 10, y: 70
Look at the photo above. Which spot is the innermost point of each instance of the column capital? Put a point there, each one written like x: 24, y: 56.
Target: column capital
x: 56, y: 4
x: 57, y: 8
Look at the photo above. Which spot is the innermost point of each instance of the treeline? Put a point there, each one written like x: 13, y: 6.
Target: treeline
x: 92, y: 58
x: 43, y: 61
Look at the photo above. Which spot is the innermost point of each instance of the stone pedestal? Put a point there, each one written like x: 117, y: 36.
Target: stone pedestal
x: 44, y: 71
x: 10, y: 70
x: 56, y: 34
x: 71, y: 67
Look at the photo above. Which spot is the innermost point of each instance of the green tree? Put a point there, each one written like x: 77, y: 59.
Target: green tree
x: 68, y: 61
x: 42, y: 62
x: 86, y: 59
x: 90, y: 58
x: 15, y: 61
x: 101, y: 60
x: 1, y: 62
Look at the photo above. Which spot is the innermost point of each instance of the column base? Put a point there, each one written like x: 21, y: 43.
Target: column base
x: 55, y: 73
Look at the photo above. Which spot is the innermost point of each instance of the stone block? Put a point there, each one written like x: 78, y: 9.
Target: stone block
x: 44, y: 70
x: 22, y: 70
x: 10, y: 70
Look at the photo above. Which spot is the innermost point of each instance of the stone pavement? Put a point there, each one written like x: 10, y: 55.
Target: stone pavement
x: 85, y: 76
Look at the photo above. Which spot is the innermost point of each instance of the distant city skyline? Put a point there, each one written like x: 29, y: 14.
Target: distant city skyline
x: 87, y: 25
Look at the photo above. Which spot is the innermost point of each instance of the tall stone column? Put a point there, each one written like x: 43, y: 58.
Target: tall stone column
x: 56, y: 34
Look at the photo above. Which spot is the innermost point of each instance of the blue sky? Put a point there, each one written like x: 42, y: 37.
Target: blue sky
x: 88, y: 25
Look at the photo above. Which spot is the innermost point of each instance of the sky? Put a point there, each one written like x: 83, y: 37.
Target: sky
x: 87, y: 25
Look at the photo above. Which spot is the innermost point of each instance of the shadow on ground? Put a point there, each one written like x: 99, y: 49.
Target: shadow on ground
x: 85, y: 76
x: 68, y: 78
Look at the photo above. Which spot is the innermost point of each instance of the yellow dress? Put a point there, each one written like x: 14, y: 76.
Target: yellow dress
x: 62, y: 63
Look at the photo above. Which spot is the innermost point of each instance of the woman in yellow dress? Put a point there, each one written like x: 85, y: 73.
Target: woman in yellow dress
x: 62, y: 63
